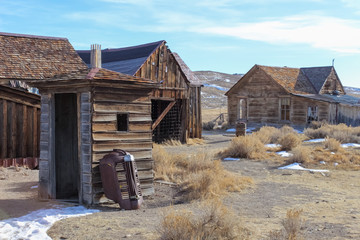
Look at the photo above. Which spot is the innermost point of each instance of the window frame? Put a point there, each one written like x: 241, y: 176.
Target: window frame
x: 284, y: 109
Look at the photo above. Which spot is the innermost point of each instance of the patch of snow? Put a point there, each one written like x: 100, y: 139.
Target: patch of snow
x: 335, y: 164
x: 346, y: 145
x: 249, y: 130
x: 332, y: 153
x: 272, y: 145
x: 296, y: 166
x: 231, y: 159
x: 36, y: 186
x: 34, y: 225
x: 322, y: 162
x: 298, y: 131
x: 284, y: 154
x: 216, y: 86
x: 227, y: 80
x: 231, y: 130
x: 316, y: 140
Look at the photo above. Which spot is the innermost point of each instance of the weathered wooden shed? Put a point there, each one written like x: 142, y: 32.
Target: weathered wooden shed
x: 24, y: 58
x: 19, y: 123
x: 86, y: 115
x: 294, y: 96
x: 176, y: 104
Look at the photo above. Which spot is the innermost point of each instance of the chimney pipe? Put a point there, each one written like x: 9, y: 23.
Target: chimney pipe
x: 95, y: 56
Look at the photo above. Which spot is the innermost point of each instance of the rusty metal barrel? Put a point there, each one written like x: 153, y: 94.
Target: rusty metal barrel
x: 120, y: 179
x: 240, y: 129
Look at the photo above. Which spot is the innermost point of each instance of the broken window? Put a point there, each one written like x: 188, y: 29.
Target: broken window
x: 122, y: 121
x: 285, y: 109
x: 312, y: 114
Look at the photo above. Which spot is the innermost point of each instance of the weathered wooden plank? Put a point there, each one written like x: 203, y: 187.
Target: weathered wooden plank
x: 131, y: 108
x: 120, y: 97
x: 3, y: 128
x: 162, y: 115
x: 108, y: 126
x: 101, y: 147
x: 139, y: 126
x: 138, y: 155
x: 121, y: 136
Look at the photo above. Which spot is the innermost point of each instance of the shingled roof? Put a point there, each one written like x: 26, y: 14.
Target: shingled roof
x: 25, y: 57
x: 93, y: 75
x: 193, y: 79
x: 124, y: 60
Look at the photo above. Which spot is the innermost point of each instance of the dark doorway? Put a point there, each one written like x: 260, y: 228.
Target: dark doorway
x: 66, y: 147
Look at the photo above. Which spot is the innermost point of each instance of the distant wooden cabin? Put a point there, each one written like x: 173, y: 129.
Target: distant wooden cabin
x: 294, y: 96
x: 176, y: 104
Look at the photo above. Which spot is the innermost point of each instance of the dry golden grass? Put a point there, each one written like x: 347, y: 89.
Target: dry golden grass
x: 291, y: 227
x: 248, y: 146
x: 340, y: 132
x: 195, y: 141
x: 171, y: 142
x: 332, y: 144
x: 301, y: 154
x: 213, y: 221
x: 210, y: 114
x: 267, y: 134
x: 198, y: 175
x: 289, y: 141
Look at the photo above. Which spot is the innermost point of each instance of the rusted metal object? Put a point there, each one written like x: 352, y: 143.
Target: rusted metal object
x: 29, y: 162
x: 120, y: 179
x: 240, y: 129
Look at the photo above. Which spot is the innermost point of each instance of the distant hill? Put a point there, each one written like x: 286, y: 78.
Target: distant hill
x: 352, y: 91
x: 216, y: 84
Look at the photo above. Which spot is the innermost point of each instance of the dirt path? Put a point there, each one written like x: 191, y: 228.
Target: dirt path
x: 330, y: 202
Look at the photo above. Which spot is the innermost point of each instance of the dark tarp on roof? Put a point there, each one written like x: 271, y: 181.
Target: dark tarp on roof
x: 124, y: 60
x: 317, y: 75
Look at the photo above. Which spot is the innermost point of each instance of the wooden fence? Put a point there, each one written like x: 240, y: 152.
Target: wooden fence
x: 19, y: 123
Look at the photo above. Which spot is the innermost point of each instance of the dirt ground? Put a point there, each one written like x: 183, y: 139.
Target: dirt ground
x: 330, y: 202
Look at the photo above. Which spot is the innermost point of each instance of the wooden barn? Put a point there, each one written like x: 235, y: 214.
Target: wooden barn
x: 176, y: 104
x: 293, y: 96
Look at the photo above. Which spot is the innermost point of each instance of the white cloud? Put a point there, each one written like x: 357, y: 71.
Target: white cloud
x: 330, y: 33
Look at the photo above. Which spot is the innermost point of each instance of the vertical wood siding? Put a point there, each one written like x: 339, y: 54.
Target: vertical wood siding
x: 19, y: 124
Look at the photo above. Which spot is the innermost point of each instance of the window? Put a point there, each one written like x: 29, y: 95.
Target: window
x: 285, y: 109
x: 122, y: 121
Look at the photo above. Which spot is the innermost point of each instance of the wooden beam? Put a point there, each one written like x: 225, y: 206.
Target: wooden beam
x: 162, y: 115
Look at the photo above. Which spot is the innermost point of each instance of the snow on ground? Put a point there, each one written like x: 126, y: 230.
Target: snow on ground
x: 346, y: 145
x: 216, y: 86
x: 233, y: 130
x: 231, y: 159
x: 284, y: 154
x: 272, y: 145
x: 316, y: 140
x: 296, y: 166
x: 34, y: 225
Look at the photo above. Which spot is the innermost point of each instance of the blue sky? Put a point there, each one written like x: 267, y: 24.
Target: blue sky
x: 224, y: 35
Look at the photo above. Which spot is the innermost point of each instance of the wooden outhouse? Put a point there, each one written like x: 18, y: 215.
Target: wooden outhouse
x: 176, y: 104
x: 294, y: 96
x: 84, y: 116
